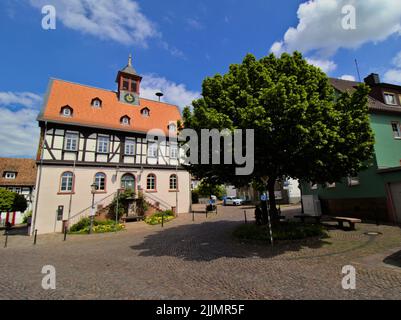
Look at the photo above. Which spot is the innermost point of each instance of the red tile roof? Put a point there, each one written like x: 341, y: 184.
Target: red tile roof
x: 79, y: 97
x: 25, y: 169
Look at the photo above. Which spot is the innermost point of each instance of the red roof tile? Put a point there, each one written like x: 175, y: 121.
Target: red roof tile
x: 79, y: 98
x: 25, y: 169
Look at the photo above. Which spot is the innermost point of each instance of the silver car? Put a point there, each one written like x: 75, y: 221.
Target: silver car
x: 233, y: 201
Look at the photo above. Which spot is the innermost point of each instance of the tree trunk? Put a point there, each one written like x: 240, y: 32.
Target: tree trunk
x: 272, y: 199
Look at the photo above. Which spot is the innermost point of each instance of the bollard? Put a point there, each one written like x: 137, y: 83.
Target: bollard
x: 65, y: 233
x: 163, y: 220
x: 6, y: 241
x: 246, y: 221
x: 206, y: 213
x: 35, y: 237
x: 216, y: 209
x: 193, y: 215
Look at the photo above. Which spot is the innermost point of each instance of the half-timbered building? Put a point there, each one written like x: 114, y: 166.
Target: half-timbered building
x: 91, y: 136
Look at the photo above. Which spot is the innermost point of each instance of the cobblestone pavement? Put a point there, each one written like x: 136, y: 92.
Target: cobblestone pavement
x: 201, y: 260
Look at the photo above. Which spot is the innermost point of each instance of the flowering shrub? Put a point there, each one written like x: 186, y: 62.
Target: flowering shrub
x: 157, y: 218
x: 83, y: 226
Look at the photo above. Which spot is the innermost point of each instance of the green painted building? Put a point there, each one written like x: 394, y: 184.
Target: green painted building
x: 376, y: 192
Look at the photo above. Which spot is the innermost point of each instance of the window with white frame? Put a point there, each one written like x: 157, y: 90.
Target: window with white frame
x: 389, y: 98
x: 173, y: 151
x: 10, y: 175
x: 151, y: 182
x: 103, y: 144
x: 396, y: 130
x: 353, y: 181
x: 100, y: 181
x: 129, y: 147
x: 66, y: 111
x: 97, y: 103
x: 125, y: 121
x: 15, y: 189
x: 71, y: 141
x: 173, y: 182
x: 152, y: 149
x: 66, y: 182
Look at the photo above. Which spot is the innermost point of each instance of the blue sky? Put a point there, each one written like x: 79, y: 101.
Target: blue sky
x: 175, y: 45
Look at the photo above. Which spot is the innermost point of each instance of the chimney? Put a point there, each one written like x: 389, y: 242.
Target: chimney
x: 372, y: 79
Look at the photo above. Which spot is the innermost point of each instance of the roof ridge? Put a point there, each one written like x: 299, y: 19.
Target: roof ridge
x: 108, y: 90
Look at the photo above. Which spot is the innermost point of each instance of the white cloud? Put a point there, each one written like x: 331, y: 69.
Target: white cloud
x: 118, y: 20
x: 19, y: 131
x: 348, y: 77
x: 326, y: 65
x: 397, y: 60
x: 26, y: 99
x: 393, y: 76
x: 174, y: 93
x: 320, y: 26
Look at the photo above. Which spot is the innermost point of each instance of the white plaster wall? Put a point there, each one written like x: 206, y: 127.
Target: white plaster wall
x: 50, y: 198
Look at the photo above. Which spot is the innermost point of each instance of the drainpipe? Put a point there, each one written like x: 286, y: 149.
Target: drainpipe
x: 70, y: 202
x: 39, y: 181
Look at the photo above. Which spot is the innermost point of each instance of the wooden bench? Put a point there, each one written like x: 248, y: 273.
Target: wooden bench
x: 304, y: 217
x: 351, y: 221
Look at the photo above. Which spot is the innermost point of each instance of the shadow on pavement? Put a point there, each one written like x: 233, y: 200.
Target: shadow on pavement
x: 16, y: 231
x: 213, y: 240
x: 394, y: 259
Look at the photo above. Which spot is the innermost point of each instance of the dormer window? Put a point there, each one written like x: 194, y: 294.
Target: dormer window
x: 10, y: 175
x: 389, y: 98
x: 125, y: 120
x: 66, y: 111
x: 96, y: 103
x: 145, y: 112
x: 172, y: 127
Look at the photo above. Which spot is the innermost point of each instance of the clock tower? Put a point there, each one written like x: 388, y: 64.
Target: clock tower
x: 128, y: 84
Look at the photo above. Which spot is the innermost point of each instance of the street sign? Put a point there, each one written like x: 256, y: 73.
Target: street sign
x: 263, y: 197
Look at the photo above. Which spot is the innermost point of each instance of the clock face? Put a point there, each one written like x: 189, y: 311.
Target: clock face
x: 129, y: 98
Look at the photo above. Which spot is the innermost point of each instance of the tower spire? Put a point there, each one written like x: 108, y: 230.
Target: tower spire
x: 130, y: 60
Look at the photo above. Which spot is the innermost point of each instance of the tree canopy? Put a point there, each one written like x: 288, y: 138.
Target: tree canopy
x: 11, y: 201
x: 303, y: 128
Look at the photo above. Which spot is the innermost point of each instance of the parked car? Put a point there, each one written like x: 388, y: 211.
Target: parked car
x: 233, y: 201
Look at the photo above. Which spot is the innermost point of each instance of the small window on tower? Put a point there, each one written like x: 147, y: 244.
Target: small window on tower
x: 133, y: 85
x: 125, y: 84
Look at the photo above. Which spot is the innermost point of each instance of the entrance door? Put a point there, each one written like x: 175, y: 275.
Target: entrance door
x: 396, y: 195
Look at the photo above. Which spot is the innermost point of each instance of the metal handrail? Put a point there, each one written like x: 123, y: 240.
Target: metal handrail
x: 80, y: 213
x: 165, y: 204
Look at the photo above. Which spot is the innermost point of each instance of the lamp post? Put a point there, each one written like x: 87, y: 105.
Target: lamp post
x: 92, y: 214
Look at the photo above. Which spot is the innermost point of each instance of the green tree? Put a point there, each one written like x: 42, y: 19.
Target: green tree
x: 205, y: 189
x: 303, y: 129
x: 11, y: 201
